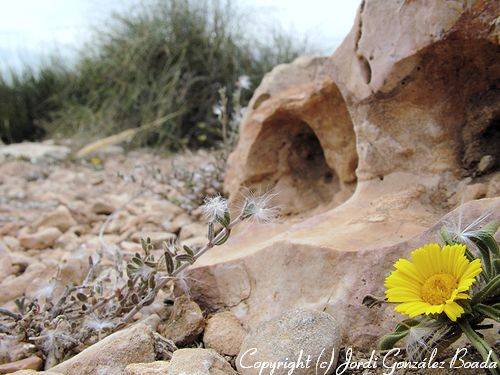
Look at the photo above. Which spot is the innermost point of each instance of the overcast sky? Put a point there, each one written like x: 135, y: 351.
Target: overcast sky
x: 32, y: 29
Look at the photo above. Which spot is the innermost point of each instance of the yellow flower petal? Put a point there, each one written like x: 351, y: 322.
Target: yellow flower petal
x: 422, y: 258
x: 473, y: 269
x: 408, y: 269
x: 432, y: 281
x: 453, y: 310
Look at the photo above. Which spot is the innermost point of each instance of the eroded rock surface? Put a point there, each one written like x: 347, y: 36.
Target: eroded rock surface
x: 224, y: 333
x: 371, y: 147
x: 111, y: 355
x: 200, y: 362
x: 152, y: 368
x: 185, y: 323
x: 305, y: 337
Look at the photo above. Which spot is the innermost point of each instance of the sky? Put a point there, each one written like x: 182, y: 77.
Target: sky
x: 30, y: 30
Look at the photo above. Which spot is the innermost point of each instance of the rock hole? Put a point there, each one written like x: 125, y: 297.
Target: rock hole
x: 260, y: 99
x: 306, y: 153
x: 366, y: 69
x: 481, y: 136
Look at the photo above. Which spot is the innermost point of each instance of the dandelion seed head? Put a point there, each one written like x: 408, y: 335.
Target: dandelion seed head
x: 460, y: 232
x: 260, y: 207
x: 215, y: 208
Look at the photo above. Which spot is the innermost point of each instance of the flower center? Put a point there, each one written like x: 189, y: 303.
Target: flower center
x: 437, y: 289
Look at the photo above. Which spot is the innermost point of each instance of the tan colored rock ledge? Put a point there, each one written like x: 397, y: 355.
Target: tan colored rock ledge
x: 367, y: 150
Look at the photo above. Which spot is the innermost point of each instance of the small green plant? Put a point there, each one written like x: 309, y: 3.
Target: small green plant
x: 445, y: 305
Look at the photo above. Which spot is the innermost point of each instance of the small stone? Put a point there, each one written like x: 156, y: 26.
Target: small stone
x: 11, y: 242
x: 181, y: 221
x: 224, y: 333
x: 167, y: 208
x: 42, y: 239
x: 192, y: 230
x: 486, y: 163
x: 195, y: 242
x: 111, y: 355
x: 14, y: 287
x: 60, y: 218
x: 474, y: 191
x: 199, y: 362
x: 185, y: 324
x: 34, y: 151
x: 131, y: 247
x: 152, y: 368
x: 6, y: 267
x: 102, y: 208
x: 30, y: 363
x: 310, y: 334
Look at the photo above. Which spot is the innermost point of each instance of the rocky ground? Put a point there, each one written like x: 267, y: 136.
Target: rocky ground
x: 55, y: 213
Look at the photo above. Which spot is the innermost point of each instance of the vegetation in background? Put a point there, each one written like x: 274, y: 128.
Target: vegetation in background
x: 168, y: 56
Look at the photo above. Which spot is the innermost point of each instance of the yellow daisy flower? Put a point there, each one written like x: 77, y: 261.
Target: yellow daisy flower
x: 434, y: 279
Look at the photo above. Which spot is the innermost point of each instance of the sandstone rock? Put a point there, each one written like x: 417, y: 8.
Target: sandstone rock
x: 323, y: 262
x: 12, y: 350
x: 102, y: 207
x: 224, y: 333
x: 192, y: 230
x: 185, y: 323
x: 131, y: 247
x: 474, y: 191
x: 112, y: 354
x: 494, y: 186
x: 14, y: 287
x: 199, y: 362
x: 486, y: 163
x: 42, y: 239
x: 298, y: 335
x: 368, y: 147
x: 60, y: 218
x: 11, y: 242
x: 195, y: 242
x: 167, y: 209
x: 30, y: 363
x: 152, y: 368
x: 180, y: 221
x: 6, y: 267
x: 34, y: 151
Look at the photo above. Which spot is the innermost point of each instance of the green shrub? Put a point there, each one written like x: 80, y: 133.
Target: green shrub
x: 167, y: 56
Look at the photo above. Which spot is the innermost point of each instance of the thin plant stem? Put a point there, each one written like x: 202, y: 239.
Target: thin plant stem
x: 481, y: 345
x: 151, y: 296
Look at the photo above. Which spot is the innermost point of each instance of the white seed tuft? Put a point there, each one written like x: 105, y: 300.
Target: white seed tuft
x: 215, y: 208
x: 260, y: 207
